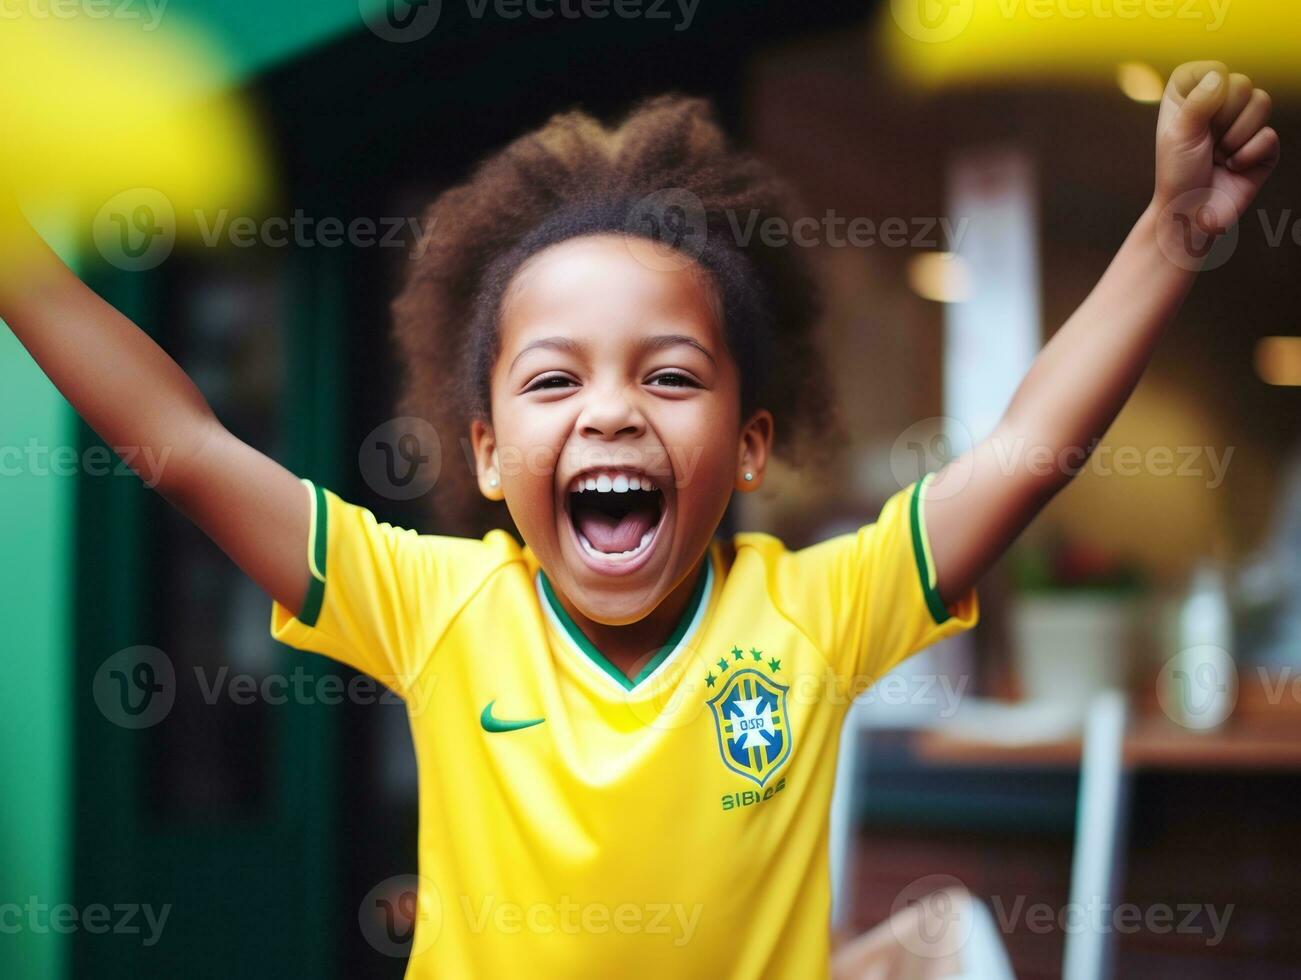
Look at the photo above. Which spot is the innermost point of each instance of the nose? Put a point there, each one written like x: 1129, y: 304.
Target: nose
x: 609, y: 412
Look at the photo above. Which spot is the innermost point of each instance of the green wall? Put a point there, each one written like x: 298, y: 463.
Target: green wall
x: 36, y: 512
x: 37, y: 517
x: 255, y: 34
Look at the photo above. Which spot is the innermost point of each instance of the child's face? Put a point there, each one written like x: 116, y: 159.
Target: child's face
x: 614, y: 367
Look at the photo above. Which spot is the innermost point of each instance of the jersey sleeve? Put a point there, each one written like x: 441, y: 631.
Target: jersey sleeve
x: 381, y: 596
x: 869, y: 596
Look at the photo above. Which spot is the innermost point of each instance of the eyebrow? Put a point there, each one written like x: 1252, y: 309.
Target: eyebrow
x: 655, y: 343
x: 551, y: 343
x: 666, y: 340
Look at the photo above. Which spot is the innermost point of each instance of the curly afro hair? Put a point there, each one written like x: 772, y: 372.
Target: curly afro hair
x: 666, y: 172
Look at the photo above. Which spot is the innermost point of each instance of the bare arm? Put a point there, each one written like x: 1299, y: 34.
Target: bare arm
x: 1214, y: 151
x: 133, y: 395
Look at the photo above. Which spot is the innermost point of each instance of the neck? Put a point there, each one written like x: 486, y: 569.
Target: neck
x: 631, y: 646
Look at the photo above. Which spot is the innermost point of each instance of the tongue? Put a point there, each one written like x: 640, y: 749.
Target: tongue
x: 614, y: 534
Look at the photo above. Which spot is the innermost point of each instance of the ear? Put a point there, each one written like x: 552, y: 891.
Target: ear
x: 485, y: 459
x: 754, y: 448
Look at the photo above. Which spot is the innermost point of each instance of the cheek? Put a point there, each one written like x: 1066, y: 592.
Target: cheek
x: 529, y: 443
x: 528, y: 449
x: 702, y: 444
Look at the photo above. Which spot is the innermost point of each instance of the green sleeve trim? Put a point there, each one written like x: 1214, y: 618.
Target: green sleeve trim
x: 922, y: 553
x: 317, y: 540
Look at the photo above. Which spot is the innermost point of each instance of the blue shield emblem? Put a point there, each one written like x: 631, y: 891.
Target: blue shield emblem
x: 754, y: 734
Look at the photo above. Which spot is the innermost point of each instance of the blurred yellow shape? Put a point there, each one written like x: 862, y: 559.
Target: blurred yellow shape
x: 940, y: 276
x: 92, y: 110
x: 1278, y: 360
x: 1140, y: 81
x: 939, y: 42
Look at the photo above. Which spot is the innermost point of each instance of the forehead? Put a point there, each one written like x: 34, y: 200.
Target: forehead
x: 609, y: 288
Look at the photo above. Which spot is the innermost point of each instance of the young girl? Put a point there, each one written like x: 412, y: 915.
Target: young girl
x: 627, y: 727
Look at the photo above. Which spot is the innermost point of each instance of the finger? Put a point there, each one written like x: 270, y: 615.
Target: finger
x: 1262, y: 150
x: 1237, y: 95
x: 1186, y: 77
x: 1249, y: 122
x: 1201, y: 105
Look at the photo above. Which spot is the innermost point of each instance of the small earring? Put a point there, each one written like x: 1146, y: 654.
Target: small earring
x: 748, y: 475
x: 492, y: 482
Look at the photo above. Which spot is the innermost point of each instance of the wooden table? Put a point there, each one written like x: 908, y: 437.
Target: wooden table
x: 1263, y: 733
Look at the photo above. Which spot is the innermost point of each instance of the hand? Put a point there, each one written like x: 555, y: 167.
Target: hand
x: 1213, y: 149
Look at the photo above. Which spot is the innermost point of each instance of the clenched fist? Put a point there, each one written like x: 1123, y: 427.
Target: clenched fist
x: 1213, y: 147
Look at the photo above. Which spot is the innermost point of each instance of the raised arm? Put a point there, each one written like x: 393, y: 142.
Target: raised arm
x: 1214, y: 152
x: 133, y: 395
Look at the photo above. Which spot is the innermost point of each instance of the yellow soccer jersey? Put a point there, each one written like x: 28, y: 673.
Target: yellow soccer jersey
x: 575, y: 823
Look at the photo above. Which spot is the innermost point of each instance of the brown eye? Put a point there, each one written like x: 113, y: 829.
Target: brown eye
x: 674, y: 379
x: 550, y: 381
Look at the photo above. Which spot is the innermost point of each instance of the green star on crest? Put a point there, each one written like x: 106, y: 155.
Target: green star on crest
x: 722, y: 664
x: 709, y: 679
x: 736, y: 653
x: 774, y: 665
x: 757, y: 654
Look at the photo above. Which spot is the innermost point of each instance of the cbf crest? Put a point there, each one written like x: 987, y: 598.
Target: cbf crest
x: 754, y: 732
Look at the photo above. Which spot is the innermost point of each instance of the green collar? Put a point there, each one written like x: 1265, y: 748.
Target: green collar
x: 687, y: 626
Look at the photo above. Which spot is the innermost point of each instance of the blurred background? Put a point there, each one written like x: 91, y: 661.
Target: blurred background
x: 1123, y: 726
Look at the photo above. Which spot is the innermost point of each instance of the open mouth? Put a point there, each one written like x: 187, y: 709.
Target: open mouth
x: 616, y: 517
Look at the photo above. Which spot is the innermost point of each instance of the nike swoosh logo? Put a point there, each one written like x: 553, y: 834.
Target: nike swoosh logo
x: 491, y: 724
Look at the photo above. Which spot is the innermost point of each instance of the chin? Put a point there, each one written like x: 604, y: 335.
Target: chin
x: 612, y: 600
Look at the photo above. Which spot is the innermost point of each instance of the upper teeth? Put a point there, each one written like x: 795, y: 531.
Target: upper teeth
x: 610, y: 482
